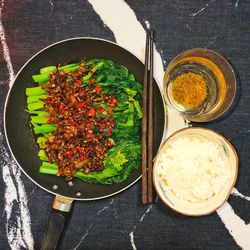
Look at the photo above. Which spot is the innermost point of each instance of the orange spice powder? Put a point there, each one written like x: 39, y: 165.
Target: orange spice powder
x: 189, y: 90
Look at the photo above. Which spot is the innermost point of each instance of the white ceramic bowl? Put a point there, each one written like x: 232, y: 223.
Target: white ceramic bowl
x: 208, y: 206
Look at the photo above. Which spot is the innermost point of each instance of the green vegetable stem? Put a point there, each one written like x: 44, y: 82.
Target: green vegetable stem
x: 45, y: 128
x: 92, y: 71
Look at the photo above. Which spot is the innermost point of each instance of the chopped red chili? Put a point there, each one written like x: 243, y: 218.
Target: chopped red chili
x: 70, y: 152
x: 81, y: 105
x: 61, y: 107
x: 92, y: 80
x: 92, y: 112
x: 101, y: 110
x: 109, y: 143
x: 80, y: 149
x: 102, y: 126
x: 98, y: 89
x: 110, y: 110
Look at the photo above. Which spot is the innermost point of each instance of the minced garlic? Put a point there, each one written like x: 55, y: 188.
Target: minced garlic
x: 193, y: 169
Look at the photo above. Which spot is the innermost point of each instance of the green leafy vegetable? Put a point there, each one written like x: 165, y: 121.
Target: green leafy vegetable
x: 116, y: 80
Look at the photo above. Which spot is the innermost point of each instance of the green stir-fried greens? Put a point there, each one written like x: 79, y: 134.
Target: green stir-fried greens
x: 87, y: 117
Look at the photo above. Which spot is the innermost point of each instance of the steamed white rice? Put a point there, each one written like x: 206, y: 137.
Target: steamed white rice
x: 193, y: 169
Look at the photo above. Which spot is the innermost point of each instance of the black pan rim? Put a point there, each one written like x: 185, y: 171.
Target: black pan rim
x: 6, y: 102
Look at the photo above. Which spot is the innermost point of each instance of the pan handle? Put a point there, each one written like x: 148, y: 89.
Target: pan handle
x: 58, y: 217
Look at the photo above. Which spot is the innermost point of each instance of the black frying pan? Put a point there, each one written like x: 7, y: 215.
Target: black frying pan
x: 21, y: 140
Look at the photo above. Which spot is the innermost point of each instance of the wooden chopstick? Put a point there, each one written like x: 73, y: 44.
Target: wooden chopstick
x: 144, y: 125
x: 150, y: 118
x: 147, y: 122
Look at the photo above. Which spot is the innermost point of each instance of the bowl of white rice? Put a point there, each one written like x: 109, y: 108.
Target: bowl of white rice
x: 195, y: 171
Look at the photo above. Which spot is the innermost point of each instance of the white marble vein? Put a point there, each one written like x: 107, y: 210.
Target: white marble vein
x: 102, y: 210
x: 98, y: 213
x: 237, y: 3
x: 105, y: 207
x: 13, y: 231
x: 211, y: 42
x: 31, y: 193
x: 83, y: 237
x: 18, y: 224
x: 235, y: 226
x: 189, y: 28
x: 235, y: 192
x: 116, y: 212
x: 132, y: 240
x: 131, y: 234
x: 6, y: 52
x: 147, y: 211
x: 147, y: 24
x: 202, y: 9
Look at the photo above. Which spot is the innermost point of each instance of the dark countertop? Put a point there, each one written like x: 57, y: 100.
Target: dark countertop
x: 122, y: 222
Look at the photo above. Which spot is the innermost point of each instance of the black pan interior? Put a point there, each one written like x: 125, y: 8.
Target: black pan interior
x: 19, y: 133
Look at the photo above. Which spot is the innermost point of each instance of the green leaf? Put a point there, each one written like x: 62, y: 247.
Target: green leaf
x: 138, y: 108
x: 115, y: 161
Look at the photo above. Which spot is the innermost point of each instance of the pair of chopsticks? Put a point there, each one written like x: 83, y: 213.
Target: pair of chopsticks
x: 147, y: 121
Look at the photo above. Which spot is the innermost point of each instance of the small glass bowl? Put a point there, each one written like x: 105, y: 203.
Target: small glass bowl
x: 208, y: 206
x: 220, y: 82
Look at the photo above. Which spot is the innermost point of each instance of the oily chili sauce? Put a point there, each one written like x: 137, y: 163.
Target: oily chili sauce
x: 84, y: 120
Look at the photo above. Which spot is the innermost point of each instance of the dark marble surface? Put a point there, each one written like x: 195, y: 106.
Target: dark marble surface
x: 108, y: 224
